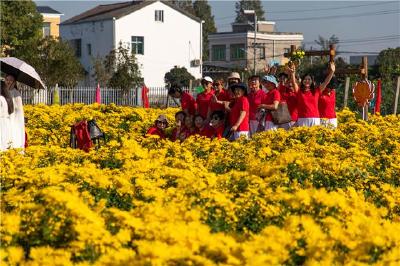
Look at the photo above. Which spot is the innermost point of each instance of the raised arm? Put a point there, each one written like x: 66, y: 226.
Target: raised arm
x: 291, y: 69
x: 329, y: 77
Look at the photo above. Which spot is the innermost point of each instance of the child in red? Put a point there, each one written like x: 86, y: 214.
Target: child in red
x: 159, y: 126
x: 188, y: 103
x: 180, y: 126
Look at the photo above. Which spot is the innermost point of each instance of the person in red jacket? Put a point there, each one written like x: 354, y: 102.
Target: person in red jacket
x: 270, y: 101
x: 159, y: 126
x: 203, y: 99
x: 188, y: 103
x: 255, y: 97
x: 308, y: 96
x: 239, y: 112
x: 326, y: 107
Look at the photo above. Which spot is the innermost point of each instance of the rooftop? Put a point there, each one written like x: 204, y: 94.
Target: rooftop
x: 47, y: 10
x: 118, y: 10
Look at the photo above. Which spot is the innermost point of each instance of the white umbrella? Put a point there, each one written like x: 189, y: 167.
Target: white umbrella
x: 22, y: 71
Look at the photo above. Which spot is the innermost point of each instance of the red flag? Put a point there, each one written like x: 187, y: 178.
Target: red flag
x: 145, y: 97
x: 378, y: 97
x: 98, y: 94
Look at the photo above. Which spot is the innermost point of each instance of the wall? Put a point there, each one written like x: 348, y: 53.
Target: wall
x: 99, y: 34
x: 54, y: 24
x: 176, y: 41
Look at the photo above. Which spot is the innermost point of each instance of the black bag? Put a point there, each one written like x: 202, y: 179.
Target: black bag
x: 281, y: 115
x: 95, y: 132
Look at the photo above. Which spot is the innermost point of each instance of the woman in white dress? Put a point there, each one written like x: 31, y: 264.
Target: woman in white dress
x: 17, y: 117
x: 6, y: 109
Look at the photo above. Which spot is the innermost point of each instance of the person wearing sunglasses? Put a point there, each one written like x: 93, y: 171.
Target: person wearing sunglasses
x: 159, y: 127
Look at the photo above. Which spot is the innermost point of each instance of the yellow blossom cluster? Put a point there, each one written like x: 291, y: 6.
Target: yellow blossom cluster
x: 309, y: 196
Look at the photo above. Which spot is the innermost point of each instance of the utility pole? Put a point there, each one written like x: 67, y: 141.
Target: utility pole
x: 255, y: 40
x: 247, y: 13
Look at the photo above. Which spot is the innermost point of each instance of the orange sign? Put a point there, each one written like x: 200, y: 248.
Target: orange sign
x: 363, y: 92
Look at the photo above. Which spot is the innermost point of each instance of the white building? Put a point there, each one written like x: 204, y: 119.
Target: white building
x: 161, y: 35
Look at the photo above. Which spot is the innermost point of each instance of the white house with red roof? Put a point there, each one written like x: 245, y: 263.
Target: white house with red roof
x: 161, y: 36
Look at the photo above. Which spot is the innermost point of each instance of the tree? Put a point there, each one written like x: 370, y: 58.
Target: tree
x: 126, y: 72
x: 324, y: 43
x: 389, y: 69
x: 101, y: 75
x: 248, y: 5
x: 178, y: 75
x: 202, y: 10
x: 184, y: 4
x: 21, y: 26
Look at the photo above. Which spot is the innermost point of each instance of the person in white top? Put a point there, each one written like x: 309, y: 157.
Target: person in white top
x: 6, y: 108
x: 17, y: 121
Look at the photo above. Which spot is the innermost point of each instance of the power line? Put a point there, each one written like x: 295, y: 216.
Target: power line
x: 383, y: 12
x: 333, y: 8
x: 387, y: 37
x: 310, y: 10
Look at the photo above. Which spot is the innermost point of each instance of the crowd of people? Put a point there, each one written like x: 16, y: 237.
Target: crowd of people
x: 12, y: 121
x: 240, y: 109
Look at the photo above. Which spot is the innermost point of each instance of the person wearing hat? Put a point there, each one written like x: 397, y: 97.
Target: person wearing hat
x: 159, y: 126
x: 239, y: 113
x: 188, y: 103
x: 271, y: 100
x: 234, y: 77
x: 308, y: 96
x: 203, y: 99
x: 255, y: 97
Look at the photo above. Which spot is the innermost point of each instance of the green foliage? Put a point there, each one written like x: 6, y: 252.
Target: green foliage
x: 202, y: 10
x: 324, y: 43
x: 21, y: 24
x: 178, y: 75
x: 123, y: 65
x: 389, y: 69
x: 101, y: 75
x: 248, y: 5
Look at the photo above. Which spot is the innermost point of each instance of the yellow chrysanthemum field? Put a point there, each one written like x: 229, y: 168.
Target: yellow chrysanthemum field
x: 310, y: 196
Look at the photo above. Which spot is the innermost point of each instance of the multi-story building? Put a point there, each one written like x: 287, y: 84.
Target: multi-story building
x: 235, y: 49
x: 159, y: 34
x: 51, y: 21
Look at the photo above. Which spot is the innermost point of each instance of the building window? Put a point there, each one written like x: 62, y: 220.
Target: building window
x: 218, y: 53
x: 76, y: 45
x: 89, y: 49
x: 237, y: 51
x: 46, y: 29
x: 262, y: 53
x: 101, y: 26
x: 159, y: 15
x: 137, y: 44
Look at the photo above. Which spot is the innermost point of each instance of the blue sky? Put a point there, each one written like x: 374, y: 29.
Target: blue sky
x: 362, y: 26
